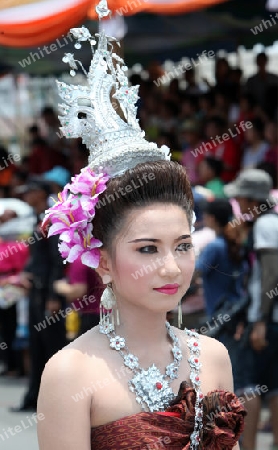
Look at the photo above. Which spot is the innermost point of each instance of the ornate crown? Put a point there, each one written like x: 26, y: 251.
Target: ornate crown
x: 89, y: 111
x: 115, y: 144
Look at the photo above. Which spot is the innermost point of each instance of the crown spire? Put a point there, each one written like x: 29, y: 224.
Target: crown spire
x: 115, y: 140
x: 102, y: 9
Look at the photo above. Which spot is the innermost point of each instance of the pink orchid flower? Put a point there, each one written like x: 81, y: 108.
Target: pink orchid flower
x: 82, y: 244
x: 71, y: 217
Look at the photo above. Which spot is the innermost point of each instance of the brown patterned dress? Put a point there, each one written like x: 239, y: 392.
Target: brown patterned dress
x: 223, y: 421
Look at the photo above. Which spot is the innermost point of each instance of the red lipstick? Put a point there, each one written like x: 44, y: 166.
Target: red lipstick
x: 169, y: 289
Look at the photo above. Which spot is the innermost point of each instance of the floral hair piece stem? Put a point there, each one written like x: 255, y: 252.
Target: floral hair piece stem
x: 72, y: 215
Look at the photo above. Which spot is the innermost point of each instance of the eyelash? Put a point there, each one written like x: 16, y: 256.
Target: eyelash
x: 187, y: 246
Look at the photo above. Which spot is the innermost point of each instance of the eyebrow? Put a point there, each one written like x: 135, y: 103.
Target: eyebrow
x: 184, y: 236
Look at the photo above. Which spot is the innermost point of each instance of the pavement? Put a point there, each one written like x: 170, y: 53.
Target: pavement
x: 23, y: 425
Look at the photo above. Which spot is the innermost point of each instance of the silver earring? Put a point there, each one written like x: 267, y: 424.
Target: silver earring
x: 179, y: 315
x: 108, y: 309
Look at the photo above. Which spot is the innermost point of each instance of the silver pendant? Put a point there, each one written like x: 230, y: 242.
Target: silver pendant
x: 152, y: 390
x: 151, y: 387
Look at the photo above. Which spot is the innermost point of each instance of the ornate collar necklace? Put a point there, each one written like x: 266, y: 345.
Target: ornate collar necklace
x: 151, y: 387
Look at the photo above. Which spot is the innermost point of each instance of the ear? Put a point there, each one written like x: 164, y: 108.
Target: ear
x: 104, y: 268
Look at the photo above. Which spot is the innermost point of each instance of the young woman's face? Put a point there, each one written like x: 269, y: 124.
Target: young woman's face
x: 154, y: 259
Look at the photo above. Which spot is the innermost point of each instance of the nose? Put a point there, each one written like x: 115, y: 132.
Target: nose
x: 170, y: 266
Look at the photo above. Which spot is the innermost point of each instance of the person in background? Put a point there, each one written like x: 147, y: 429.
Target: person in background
x: 43, y: 157
x: 236, y: 75
x: 7, y: 168
x: 220, y: 262
x: 188, y: 108
x: 226, y: 150
x: 222, y: 73
x: 79, y: 156
x: 191, y: 140
x: 173, y: 92
x: 206, y: 106
x: 19, y: 178
x: 260, y: 339
x: 258, y: 85
x: 192, y: 87
x: 13, y: 258
x: 84, y: 289
x: 271, y: 137
x: 244, y: 111
x: 223, y: 102
x: 210, y: 170
x: 50, y: 126
x: 168, y: 116
x: 203, y: 234
x: 44, y: 267
x: 257, y: 147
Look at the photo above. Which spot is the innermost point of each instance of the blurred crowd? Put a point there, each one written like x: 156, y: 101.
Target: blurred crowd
x: 242, y: 113
x: 218, y: 132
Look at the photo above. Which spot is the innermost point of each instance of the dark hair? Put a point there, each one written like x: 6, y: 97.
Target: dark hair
x: 208, y: 96
x: 249, y: 98
x: 215, y: 164
x: 171, y: 107
x: 218, y: 121
x: 135, y: 79
x: 21, y: 175
x: 34, y: 129
x: 269, y: 168
x: 171, y: 138
x: 82, y: 148
x: 258, y: 125
x: 222, y: 211
x: 3, y: 152
x: 146, y: 184
x: 39, y: 141
x: 191, y: 99
x: 262, y: 56
x: 48, y: 111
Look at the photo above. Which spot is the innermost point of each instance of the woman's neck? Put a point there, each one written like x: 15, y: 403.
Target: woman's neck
x: 141, y: 328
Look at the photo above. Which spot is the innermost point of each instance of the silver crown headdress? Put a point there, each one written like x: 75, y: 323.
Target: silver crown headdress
x: 89, y: 111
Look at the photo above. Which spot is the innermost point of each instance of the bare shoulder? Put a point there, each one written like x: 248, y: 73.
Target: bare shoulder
x: 72, y: 362
x: 67, y: 361
x: 61, y: 398
x: 209, y: 346
x: 216, y: 362
x: 216, y: 365
x: 214, y: 349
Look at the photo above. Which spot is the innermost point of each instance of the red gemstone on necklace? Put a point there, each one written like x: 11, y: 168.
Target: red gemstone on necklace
x: 195, y: 344
x: 197, y: 378
x: 196, y: 360
x: 158, y: 385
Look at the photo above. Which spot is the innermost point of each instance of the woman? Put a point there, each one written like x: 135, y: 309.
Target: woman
x: 148, y: 257
x: 132, y: 223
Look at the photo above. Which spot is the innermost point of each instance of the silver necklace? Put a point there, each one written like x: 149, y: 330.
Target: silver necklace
x: 151, y: 387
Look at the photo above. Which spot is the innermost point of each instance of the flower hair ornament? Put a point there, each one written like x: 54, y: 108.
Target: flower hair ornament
x: 72, y: 215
